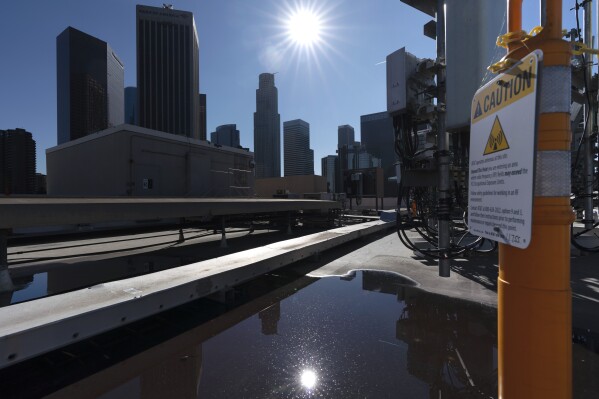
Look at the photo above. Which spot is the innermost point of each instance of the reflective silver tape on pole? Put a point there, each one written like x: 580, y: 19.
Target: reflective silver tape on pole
x: 552, y: 177
x: 556, y: 86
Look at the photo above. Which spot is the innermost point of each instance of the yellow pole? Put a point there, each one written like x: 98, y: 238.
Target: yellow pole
x: 534, y: 296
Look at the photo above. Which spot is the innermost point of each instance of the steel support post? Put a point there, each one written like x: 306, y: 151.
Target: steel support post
x: 223, y: 237
x: 590, y: 117
x: 289, y: 231
x: 534, y: 296
x: 181, y: 235
x: 444, y: 195
x: 6, y: 284
x: 543, y: 11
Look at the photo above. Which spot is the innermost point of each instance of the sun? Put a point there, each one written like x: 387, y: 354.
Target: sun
x: 304, y: 36
x: 304, y: 27
x: 308, y: 379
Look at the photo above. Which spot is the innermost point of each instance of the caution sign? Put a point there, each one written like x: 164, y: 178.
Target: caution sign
x: 502, y: 154
x: 497, y: 140
x: 511, y: 87
x: 479, y: 110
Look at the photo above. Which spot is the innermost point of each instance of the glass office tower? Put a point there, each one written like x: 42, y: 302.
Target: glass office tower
x: 90, y: 81
x: 168, y: 79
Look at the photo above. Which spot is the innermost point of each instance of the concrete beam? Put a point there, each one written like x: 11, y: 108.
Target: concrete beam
x: 44, y: 211
x: 31, y: 328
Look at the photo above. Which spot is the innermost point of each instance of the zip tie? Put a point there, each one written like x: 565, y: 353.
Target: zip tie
x: 579, y: 48
x: 518, y: 36
x: 502, y: 65
x: 511, y: 37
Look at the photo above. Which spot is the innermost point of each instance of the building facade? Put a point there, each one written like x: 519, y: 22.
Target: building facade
x: 168, y: 81
x: 89, y: 82
x: 203, y: 118
x: 131, y: 112
x: 329, y: 165
x: 17, y: 162
x: 267, y: 128
x: 351, y: 157
x: 292, y: 187
x: 133, y: 161
x: 345, y: 135
x: 298, y: 157
x: 378, y: 138
x: 226, y: 135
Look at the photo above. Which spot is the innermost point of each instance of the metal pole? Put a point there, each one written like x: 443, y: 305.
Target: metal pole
x: 590, y: 117
x: 543, y: 12
x: 443, y: 148
x: 6, y: 284
x: 223, y: 237
x: 534, y: 307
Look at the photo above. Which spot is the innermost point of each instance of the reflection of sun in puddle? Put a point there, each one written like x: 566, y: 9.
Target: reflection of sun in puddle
x: 308, y: 379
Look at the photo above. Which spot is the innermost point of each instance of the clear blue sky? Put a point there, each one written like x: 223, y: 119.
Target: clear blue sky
x: 239, y: 39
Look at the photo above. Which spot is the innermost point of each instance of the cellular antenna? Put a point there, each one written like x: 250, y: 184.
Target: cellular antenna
x: 167, y: 6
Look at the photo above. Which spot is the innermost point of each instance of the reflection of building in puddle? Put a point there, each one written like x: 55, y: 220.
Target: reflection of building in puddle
x: 170, y: 368
x: 184, y: 367
x: 450, y: 346
x: 270, y: 319
x: 151, y: 374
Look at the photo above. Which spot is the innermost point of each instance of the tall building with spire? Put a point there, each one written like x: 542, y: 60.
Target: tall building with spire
x: 168, y: 78
x: 267, y: 128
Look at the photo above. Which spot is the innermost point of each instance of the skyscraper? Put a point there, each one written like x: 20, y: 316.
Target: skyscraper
x: 90, y: 81
x: 203, y: 117
x: 378, y: 137
x: 168, y: 81
x: 131, y: 112
x: 267, y: 128
x: 329, y: 165
x: 17, y: 162
x: 226, y: 135
x: 299, y: 158
x: 345, y: 140
x: 345, y: 135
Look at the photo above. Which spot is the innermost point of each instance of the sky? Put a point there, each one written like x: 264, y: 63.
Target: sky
x: 329, y: 84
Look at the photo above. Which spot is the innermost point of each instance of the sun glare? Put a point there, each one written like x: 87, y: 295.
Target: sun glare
x: 304, y: 27
x: 305, y: 37
x: 308, y: 379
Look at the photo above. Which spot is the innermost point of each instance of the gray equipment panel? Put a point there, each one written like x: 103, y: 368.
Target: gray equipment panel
x: 472, y: 27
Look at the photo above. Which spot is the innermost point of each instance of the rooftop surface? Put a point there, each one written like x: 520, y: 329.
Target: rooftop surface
x: 473, y: 281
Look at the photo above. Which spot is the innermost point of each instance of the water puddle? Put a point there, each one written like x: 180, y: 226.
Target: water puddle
x: 368, y: 334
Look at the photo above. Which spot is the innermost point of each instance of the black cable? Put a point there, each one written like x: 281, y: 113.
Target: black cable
x: 573, y: 236
x: 579, y: 246
x: 586, y: 86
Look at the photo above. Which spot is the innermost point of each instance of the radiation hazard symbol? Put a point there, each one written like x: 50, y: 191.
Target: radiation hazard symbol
x: 497, y: 140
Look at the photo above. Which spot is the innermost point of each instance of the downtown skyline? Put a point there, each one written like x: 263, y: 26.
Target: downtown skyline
x: 334, y: 84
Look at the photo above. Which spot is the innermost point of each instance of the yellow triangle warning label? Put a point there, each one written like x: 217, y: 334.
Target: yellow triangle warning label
x: 478, y: 111
x: 497, y: 140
